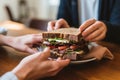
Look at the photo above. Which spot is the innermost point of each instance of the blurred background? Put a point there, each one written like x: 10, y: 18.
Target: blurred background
x: 25, y: 11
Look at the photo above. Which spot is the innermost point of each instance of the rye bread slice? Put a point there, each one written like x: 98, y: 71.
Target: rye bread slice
x: 65, y: 33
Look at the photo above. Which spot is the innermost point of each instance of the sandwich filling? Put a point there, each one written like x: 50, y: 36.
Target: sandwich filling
x: 66, y: 48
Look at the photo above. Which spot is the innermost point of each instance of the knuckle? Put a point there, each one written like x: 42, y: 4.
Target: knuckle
x: 93, y: 26
x: 99, y: 23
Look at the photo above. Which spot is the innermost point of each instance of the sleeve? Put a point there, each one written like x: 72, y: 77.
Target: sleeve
x: 113, y: 25
x: 113, y: 31
x: 64, y: 11
x: 9, y: 76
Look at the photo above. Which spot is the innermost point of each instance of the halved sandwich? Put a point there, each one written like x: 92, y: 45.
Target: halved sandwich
x: 65, y: 43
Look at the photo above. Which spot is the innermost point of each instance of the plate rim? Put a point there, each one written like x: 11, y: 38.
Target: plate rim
x: 82, y: 61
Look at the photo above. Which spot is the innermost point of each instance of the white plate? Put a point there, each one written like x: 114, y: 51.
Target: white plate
x: 82, y: 61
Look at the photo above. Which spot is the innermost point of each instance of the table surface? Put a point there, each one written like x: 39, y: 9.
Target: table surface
x: 94, y: 70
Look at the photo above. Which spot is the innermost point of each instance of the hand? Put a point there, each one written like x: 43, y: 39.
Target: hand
x: 23, y: 43
x: 93, y: 30
x: 38, y: 66
x: 61, y: 23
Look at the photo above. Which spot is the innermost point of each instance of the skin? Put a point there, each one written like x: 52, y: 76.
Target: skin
x: 56, y: 24
x: 22, y: 43
x: 38, y: 66
x: 91, y: 29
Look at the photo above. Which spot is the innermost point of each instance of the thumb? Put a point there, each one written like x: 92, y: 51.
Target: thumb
x: 46, y: 53
x: 51, y: 25
x: 63, y: 63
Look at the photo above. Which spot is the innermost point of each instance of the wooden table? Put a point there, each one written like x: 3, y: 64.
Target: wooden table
x: 95, y: 70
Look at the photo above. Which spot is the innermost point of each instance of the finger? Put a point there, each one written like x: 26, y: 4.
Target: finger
x: 86, y: 24
x: 91, y: 29
x: 100, y: 37
x: 51, y: 25
x: 59, y: 64
x: 45, y: 54
x: 61, y: 23
x: 63, y: 63
x: 93, y: 35
x: 34, y: 38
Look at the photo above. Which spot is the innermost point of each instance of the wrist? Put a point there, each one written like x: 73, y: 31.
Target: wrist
x: 2, y: 39
x: 6, y: 40
x: 22, y: 74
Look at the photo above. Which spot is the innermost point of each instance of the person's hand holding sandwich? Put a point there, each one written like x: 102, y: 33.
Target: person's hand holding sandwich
x: 38, y: 66
x: 91, y: 29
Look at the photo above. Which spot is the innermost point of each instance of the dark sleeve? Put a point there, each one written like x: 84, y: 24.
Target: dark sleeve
x: 113, y: 26
x: 113, y: 32
x: 64, y: 11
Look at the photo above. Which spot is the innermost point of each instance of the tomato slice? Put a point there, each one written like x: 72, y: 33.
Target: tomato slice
x: 73, y: 47
x: 62, y: 47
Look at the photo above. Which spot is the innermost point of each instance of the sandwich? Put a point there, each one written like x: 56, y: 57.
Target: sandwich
x: 65, y: 43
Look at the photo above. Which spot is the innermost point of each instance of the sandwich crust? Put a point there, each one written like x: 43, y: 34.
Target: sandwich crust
x: 65, y: 33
